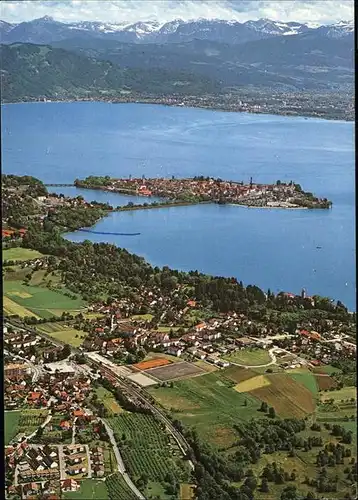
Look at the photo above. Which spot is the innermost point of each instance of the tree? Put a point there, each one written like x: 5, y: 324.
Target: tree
x: 264, y: 407
x: 271, y: 412
x: 264, y: 488
x: 289, y: 493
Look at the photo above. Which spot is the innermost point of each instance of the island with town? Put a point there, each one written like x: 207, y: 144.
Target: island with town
x: 202, y: 189
x: 126, y: 381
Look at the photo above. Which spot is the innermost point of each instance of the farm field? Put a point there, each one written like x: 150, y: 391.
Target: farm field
x: 156, y: 490
x: 117, y: 488
x: 90, y: 489
x: 175, y: 370
x: 238, y: 374
x: 210, y: 404
x: 63, y: 333
x: 288, y: 397
x: 329, y: 369
x: 108, y: 400
x: 24, y: 421
x: 340, y: 395
x: 249, y: 357
x: 252, y: 384
x: 208, y: 367
x: 145, y: 447
x: 305, y: 377
x: 187, y: 491
x: 325, y: 382
x: 12, y: 308
x: 40, y: 300
x: 19, y: 253
x: 11, y: 422
x: 142, y: 317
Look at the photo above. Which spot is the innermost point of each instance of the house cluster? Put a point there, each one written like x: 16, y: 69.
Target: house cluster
x: 61, y: 393
x: 318, y: 348
x: 76, y: 461
x: 10, y: 234
x: 17, y: 371
x: 28, y: 345
x: 46, y: 490
x: 97, y: 460
x: 37, y: 463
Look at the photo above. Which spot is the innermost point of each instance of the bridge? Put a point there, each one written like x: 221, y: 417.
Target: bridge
x: 60, y: 185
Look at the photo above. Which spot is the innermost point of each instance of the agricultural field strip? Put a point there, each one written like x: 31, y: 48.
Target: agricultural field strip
x: 146, y: 446
x: 283, y: 393
x: 11, y: 307
x: 118, y: 489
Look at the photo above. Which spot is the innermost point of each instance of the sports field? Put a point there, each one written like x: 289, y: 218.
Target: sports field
x: 63, y: 333
x: 39, y: 300
x: 210, y: 404
x: 20, y: 254
x: 249, y: 357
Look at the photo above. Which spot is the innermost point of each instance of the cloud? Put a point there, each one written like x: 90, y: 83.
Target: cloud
x: 313, y: 11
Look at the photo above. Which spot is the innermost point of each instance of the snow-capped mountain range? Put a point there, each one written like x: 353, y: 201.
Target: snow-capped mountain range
x: 47, y: 30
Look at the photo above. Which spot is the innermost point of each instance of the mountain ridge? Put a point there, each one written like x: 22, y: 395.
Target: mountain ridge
x: 48, y: 30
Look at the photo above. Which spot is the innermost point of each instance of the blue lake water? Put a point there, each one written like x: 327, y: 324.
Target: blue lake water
x: 271, y: 248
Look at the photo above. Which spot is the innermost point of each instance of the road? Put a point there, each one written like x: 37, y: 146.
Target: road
x: 61, y: 460
x: 120, y: 464
x: 89, y: 466
x: 74, y: 430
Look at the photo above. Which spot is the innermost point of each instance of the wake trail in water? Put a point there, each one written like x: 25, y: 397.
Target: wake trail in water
x: 111, y: 234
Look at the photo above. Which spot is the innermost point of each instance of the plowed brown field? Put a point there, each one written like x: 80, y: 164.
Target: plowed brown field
x: 325, y: 382
x: 289, y: 398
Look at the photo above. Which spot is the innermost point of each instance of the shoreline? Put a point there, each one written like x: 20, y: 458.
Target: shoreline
x: 189, y: 106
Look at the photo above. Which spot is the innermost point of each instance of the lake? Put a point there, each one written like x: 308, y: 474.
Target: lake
x: 272, y: 248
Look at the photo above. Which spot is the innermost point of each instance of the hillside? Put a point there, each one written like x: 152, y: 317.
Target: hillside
x: 299, y: 62
x: 33, y: 71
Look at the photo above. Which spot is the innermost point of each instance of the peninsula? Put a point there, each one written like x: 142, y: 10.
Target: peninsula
x: 202, y: 189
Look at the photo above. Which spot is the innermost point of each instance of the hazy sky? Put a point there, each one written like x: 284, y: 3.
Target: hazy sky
x: 314, y: 11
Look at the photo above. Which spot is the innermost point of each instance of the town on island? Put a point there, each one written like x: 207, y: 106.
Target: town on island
x: 136, y: 380
x: 200, y: 189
